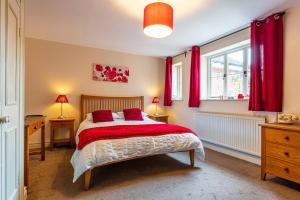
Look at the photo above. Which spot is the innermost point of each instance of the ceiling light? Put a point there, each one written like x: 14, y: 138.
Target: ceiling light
x: 158, y: 20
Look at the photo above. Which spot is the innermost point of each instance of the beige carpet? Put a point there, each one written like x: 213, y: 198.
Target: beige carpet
x: 158, y: 178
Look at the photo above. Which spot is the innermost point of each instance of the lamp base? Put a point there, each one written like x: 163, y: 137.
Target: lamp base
x: 61, y: 117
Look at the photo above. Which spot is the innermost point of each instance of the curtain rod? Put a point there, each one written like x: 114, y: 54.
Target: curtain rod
x: 214, y: 40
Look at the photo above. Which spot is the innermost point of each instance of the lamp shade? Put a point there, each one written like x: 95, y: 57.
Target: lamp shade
x: 155, y: 100
x: 158, y: 20
x: 62, y: 99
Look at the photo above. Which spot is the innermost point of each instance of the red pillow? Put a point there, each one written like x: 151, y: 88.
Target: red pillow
x: 133, y: 114
x: 102, y: 116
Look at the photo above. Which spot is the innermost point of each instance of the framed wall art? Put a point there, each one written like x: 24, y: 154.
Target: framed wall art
x: 110, y: 73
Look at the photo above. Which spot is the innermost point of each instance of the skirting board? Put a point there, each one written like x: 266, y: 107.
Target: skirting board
x: 233, y: 153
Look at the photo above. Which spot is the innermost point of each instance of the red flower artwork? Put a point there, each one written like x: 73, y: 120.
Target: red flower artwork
x: 110, y: 73
x: 126, y: 72
x: 99, y: 68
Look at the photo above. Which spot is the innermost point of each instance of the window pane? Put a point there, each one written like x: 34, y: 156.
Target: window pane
x: 217, y: 76
x: 217, y: 67
x: 235, y: 85
x: 248, y: 70
x: 177, y: 81
x: 235, y: 73
x: 216, y: 87
x: 174, y: 82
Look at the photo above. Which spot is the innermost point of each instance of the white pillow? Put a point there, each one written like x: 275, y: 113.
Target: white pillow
x: 89, y: 116
x: 116, y: 116
x: 121, y: 114
x: 144, y: 114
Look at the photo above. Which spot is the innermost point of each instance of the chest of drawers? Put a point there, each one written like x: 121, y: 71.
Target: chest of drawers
x: 281, y: 151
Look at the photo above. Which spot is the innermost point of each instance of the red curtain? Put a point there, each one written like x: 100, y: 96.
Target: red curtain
x: 194, y: 97
x: 266, y: 89
x: 168, y: 82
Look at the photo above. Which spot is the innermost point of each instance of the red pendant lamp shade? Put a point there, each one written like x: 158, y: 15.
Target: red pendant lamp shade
x: 158, y: 20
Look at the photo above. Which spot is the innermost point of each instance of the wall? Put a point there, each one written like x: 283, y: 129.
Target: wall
x: 55, y: 68
x: 291, y: 64
x: 180, y: 113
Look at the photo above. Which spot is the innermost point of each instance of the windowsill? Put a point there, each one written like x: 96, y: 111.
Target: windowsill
x: 225, y: 99
x: 247, y: 99
x: 177, y: 99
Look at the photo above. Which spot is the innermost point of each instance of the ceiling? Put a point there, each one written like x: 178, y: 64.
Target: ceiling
x: 117, y: 24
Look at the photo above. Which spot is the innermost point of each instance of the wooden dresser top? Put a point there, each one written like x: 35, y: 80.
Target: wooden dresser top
x: 289, y: 127
x: 32, y: 119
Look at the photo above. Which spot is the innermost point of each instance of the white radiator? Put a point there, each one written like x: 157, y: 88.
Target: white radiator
x: 236, y: 132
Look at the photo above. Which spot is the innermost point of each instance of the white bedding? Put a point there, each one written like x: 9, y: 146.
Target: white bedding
x: 106, y: 151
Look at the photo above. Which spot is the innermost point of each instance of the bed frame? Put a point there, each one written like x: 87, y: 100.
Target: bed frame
x: 89, y: 104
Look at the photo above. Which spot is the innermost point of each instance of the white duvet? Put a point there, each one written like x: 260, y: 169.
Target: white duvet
x: 106, y: 151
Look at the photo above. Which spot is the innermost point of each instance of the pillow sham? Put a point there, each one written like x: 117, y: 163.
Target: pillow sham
x: 144, y: 114
x: 116, y: 116
x: 89, y: 116
x: 102, y: 116
x: 121, y: 114
x: 134, y: 114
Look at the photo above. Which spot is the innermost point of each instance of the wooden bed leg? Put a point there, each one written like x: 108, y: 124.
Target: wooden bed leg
x: 87, y: 179
x: 263, y: 176
x: 192, y: 157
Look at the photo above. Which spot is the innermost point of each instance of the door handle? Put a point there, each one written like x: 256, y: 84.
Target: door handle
x: 4, y: 120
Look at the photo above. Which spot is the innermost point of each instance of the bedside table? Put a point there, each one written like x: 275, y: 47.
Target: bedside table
x: 159, y: 118
x: 62, y: 123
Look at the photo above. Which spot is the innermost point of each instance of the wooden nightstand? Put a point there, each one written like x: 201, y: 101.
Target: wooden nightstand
x: 62, y: 123
x: 159, y: 118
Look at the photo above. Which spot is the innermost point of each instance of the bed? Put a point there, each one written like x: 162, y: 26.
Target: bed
x: 109, y: 151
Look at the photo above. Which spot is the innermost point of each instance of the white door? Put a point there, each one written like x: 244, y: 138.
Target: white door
x: 11, y: 131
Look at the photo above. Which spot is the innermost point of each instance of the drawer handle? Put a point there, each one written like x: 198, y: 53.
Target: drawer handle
x: 287, y: 154
x: 287, y: 138
x: 286, y: 170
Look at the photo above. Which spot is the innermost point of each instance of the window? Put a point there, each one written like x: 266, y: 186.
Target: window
x: 229, y: 73
x: 177, y: 81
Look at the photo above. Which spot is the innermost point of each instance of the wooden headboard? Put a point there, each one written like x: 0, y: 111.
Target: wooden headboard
x: 89, y: 104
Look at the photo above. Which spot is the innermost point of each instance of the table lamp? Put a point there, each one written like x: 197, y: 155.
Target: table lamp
x: 61, y: 99
x: 156, y: 101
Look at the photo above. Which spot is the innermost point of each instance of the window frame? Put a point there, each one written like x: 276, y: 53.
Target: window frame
x: 178, y: 67
x: 225, y: 53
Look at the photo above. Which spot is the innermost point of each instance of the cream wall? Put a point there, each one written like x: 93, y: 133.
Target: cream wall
x: 55, y: 68
x: 180, y: 113
x: 291, y: 61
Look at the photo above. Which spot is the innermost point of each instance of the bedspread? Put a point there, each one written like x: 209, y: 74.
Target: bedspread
x: 108, y: 151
